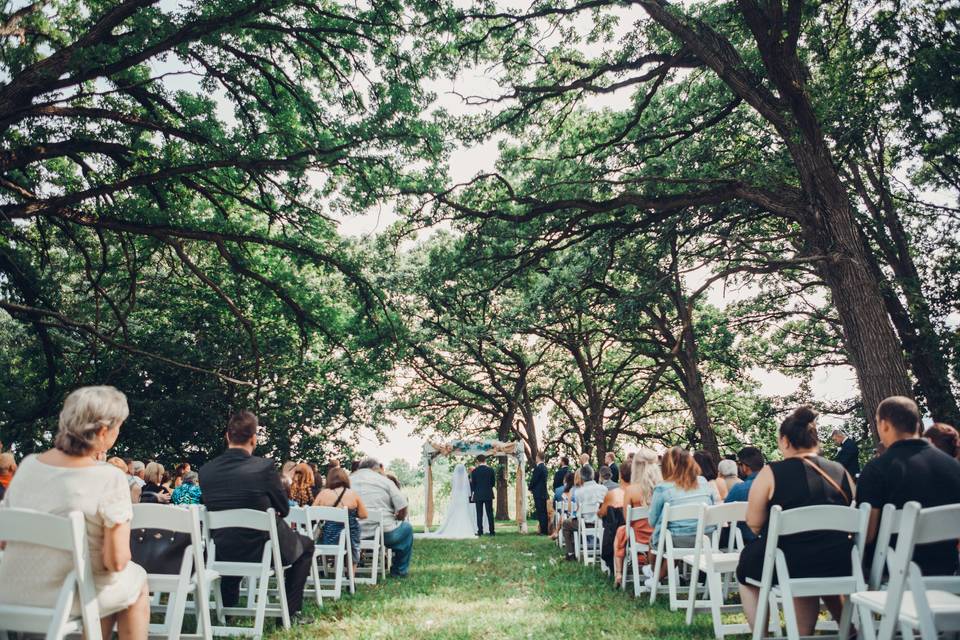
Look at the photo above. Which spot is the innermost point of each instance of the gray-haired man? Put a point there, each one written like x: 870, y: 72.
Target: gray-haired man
x: 378, y: 492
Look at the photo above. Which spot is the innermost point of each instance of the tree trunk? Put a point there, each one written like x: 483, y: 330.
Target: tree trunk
x: 503, y: 488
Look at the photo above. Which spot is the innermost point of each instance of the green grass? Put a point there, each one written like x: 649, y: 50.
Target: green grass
x: 509, y: 586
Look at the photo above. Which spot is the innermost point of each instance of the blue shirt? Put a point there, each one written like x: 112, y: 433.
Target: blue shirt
x: 739, y: 493
x: 668, y: 493
x: 558, y: 493
x: 186, y: 493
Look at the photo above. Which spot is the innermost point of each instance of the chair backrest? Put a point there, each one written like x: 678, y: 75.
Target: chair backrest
x: 728, y: 513
x: 68, y: 534
x: 672, y: 513
x: 242, y: 519
x: 588, y: 510
x: 890, y: 518
x: 163, y: 516
x: 374, y: 520
x: 329, y: 514
x: 299, y: 519
x: 637, y: 513
x: 821, y: 517
x: 938, y: 524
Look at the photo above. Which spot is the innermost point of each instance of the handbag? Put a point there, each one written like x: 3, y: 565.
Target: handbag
x: 158, y: 550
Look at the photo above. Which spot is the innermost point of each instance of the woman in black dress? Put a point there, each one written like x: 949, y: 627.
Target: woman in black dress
x: 801, y: 479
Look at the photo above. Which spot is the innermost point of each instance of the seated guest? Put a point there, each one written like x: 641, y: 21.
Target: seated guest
x: 584, y: 459
x: 729, y: 474
x: 377, y: 492
x: 237, y: 479
x: 286, y: 473
x: 802, y: 479
x: 910, y: 469
x: 643, y: 476
x: 566, y: 493
x: 708, y: 470
x: 682, y: 484
x: 590, y: 493
x: 317, y: 478
x: 121, y: 464
x: 339, y: 494
x: 65, y: 479
x: 750, y: 462
x: 612, y: 512
x: 189, y: 490
x: 153, y: 489
x: 8, y: 466
x: 301, y: 485
x: 945, y: 438
x: 606, y: 478
x: 137, y: 470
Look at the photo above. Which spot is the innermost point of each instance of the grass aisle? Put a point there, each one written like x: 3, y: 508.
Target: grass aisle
x: 508, y: 586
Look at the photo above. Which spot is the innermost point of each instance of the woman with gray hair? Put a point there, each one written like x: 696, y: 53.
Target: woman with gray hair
x: 69, y: 478
x: 189, y: 490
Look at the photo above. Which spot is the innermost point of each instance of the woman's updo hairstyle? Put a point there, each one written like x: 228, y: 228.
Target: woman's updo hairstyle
x: 85, y: 412
x: 800, y: 428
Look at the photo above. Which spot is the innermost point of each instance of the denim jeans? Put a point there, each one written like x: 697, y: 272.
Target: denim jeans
x: 400, y: 541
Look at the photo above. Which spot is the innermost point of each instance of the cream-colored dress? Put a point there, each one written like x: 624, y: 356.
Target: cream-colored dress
x: 31, y: 574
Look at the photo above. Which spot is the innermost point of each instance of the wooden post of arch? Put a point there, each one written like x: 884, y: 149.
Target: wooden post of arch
x: 428, y: 515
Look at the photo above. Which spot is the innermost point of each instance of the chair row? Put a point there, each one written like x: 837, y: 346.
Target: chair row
x: 908, y: 601
x: 200, y: 571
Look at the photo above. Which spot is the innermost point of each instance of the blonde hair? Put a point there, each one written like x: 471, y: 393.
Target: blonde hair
x: 577, y: 480
x: 645, y: 473
x: 153, y: 473
x: 7, y: 462
x: 679, y: 467
x: 84, y: 413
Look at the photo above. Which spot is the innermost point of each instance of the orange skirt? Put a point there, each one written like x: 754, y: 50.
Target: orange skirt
x: 642, y: 531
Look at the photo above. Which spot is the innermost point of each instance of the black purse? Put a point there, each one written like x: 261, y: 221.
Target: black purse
x: 158, y: 550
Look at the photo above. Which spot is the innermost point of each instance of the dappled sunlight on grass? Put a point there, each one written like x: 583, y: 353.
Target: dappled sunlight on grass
x: 506, y: 587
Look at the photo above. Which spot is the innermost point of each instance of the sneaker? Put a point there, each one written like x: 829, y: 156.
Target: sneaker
x: 649, y: 583
x: 571, y: 557
x: 647, y: 571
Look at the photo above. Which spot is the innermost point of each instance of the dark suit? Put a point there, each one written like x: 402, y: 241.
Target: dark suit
x: 559, y: 477
x: 849, y: 456
x: 482, y: 481
x: 237, y: 480
x: 538, y: 487
x: 614, y: 472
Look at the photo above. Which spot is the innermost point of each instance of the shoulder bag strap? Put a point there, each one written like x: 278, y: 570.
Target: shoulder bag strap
x: 830, y: 481
x: 340, y: 497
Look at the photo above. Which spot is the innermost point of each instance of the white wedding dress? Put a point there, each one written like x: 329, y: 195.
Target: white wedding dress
x: 461, y: 518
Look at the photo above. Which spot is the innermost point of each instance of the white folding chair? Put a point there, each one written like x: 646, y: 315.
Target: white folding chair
x: 631, y: 563
x: 257, y: 574
x: 372, y: 547
x: 806, y: 519
x: 929, y: 604
x: 341, y: 553
x: 716, y: 564
x: 193, y: 577
x: 589, y: 532
x: 666, y: 552
x: 889, y: 526
x: 61, y: 534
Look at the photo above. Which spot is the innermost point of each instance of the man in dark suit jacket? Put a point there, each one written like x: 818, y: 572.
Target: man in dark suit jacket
x: 561, y: 473
x: 538, y: 487
x: 611, y: 461
x: 482, y: 481
x: 237, y: 479
x: 848, y: 453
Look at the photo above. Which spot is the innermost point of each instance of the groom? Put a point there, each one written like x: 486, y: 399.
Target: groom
x: 481, y: 484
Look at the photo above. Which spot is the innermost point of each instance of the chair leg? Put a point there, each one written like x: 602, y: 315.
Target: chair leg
x: 692, y: 596
x: 282, y: 591
x: 338, y: 575
x: 174, y: 620
x: 656, y: 577
x: 315, y: 576
x: 846, y: 617
x: 673, y: 579
x: 715, y: 593
x: 351, y: 574
x: 218, y: 601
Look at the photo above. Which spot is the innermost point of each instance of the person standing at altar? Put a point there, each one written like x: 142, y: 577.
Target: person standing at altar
x: 610, y: 460
x: 538, y: 487
x: 482, y: 480
x: 561, y: 473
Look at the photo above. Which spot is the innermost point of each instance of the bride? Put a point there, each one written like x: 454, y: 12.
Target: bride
x: 461, y: 518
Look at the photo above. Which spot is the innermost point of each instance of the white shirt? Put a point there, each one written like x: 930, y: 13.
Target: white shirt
x: 378, y: 492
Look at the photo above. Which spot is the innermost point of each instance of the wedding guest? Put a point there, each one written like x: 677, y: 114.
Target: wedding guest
x: 848, y: 453
x: 189, y: 490
x: 301, y: 485
x: 122, y: 465
x: 611, y: 512
x: 153, y: 489
x: 584, y: 459
x: 610, y: 460
x: 8, y: 466
x: 643, y: 475
x: 377, y: 492
x: 317, y: 478
x: 589, y: 493
x: 137, y: 470
x: 708, y: 470
x: 682, y: 484
x: 179, y: 472
x: 286, y: 473
x: 910, y: 469
x: 66, y: 479
x: 803, y: 478
x: 566, y: 497
x: 237, y: 479
x: 749, y: 462
x: 606, y: 478
x: 538, y: 488
x: 561, y: 473
x: 945, y: 438
x: 339, y: 494
x: 729, y: 473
